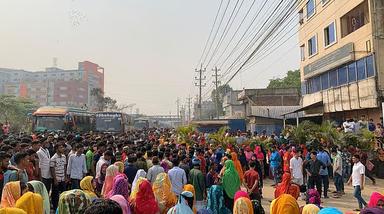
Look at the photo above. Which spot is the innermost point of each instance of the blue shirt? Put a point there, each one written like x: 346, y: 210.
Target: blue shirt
x: 275, y: 159
x: 326, y: 160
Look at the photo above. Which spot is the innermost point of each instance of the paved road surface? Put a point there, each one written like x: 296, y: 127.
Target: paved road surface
x: 345, y: 203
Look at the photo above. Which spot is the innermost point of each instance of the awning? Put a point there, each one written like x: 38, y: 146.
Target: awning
x: 314, y: 105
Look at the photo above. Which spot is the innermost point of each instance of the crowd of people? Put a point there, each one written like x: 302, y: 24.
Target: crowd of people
x: 153, y: 172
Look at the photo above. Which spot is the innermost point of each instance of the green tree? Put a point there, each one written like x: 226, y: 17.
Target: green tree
x: 292, y: 80
x: 16, y: 111
x: 103, y: 102
x: 219, y: 97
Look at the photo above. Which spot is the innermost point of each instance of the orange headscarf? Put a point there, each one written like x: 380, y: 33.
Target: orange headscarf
x: 285, y: 203
x: 242, y: 205
x: 285, y: 187
x: 11, y: 192
x: 190, y: 188
x: 238, y: 167
x: 162, y: 188
x: 30, y: 202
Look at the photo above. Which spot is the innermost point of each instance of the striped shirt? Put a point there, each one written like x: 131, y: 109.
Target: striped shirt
x: 58, y: 163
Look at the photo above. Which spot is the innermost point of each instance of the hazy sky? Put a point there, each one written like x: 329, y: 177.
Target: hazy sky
x: 149, y: 48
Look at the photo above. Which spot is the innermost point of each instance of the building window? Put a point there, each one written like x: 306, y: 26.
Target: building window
x: 352, y: 72
x: 333, y: 78
x: 330, y: 34
x: 324, y: 2
x: 361, y: 69
x: 63, y: 88
x: 342, y: 75
x: 302, y: 52
x: 312, y: 46
x: 311, y: 8
x: 370, y: 66
x: 355, y: 19
x: 324, y: 81
x: 63, y: 95
x: 301, y: 17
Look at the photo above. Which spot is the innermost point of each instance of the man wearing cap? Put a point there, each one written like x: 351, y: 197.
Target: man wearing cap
x: 196, y: 178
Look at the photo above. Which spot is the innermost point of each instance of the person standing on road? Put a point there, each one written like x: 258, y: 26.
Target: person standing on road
x: 296, y: 168
x: 337, y: 173
x: 178, y: 177
x: 357, y: 180
x: 77, y: 167
x: 275, y: 162
x: 312, y: 168
x: 326, y: 160
x: 58, y: 169
x: 44, y: 164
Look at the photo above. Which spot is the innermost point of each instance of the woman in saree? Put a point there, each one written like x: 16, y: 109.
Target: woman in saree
x: 100, y: 181
x: 190, y: 188
x: 111, y: 173
x: 86, y: 184
x: 243, y: 206
x: 182, y: 207
x: 286, y: 187
x: 12, y: 210
x: 139, y: 174
x: 310, y: 209
x: 120, y: 166
x: 285, y: 203
x: 73, y: 202
x: 12, y: 191
x: 376, y: 200
x: 330, y: 210
x: 120, y: 187
x: 122, y: 202
x: 30, y: 202
x: 145, y: 201
x: 39, y: 187
x: 216, y: 200
x: 136, y: 189
x: 231, y: 183
x: 237, y: 164
x: 162, y: 189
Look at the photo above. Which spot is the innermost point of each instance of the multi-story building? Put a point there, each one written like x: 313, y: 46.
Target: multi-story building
x: 55, y: 86
x: 342, y: 58
x: 233, y: 109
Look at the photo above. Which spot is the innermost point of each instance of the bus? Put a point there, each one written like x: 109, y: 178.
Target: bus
x: 52, y: 118
x: 115, y: 122
x: 141, y: 123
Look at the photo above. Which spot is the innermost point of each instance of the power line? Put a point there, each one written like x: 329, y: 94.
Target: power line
x: 226, y: 30
x: 210, y: 33
x: 200, y: 84
x: 214, y: 38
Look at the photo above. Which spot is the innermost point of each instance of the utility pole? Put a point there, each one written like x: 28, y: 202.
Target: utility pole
x: 216, y: 82
x: 178, y: 109
x: 200, y: 84
x: 189, y: 108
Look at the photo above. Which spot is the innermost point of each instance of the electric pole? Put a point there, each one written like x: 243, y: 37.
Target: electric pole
x: 189, y: 108
x: 200, y: 84
x: 216, y: 82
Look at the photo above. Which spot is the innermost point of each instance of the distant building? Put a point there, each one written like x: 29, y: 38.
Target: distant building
x: 55, y: 86
x: 208, y: 111
x: 233, y: 109
x: 264, y: 108
x: 342, y: 52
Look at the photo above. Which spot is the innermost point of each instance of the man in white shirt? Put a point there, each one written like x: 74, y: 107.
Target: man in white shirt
x: 178, y: 177
x: 349, y: 126
x: 44, y: 164
x: 77, y: 167
x: 357, y: 180
x: 296, y: 168
x: 106, y: 158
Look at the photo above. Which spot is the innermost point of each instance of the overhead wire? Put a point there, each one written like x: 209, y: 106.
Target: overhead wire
x: 226, y: 29
x: 214, y: 38
x: 210, y: 33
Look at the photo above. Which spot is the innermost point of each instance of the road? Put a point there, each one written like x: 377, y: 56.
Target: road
x: 345, y: 203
